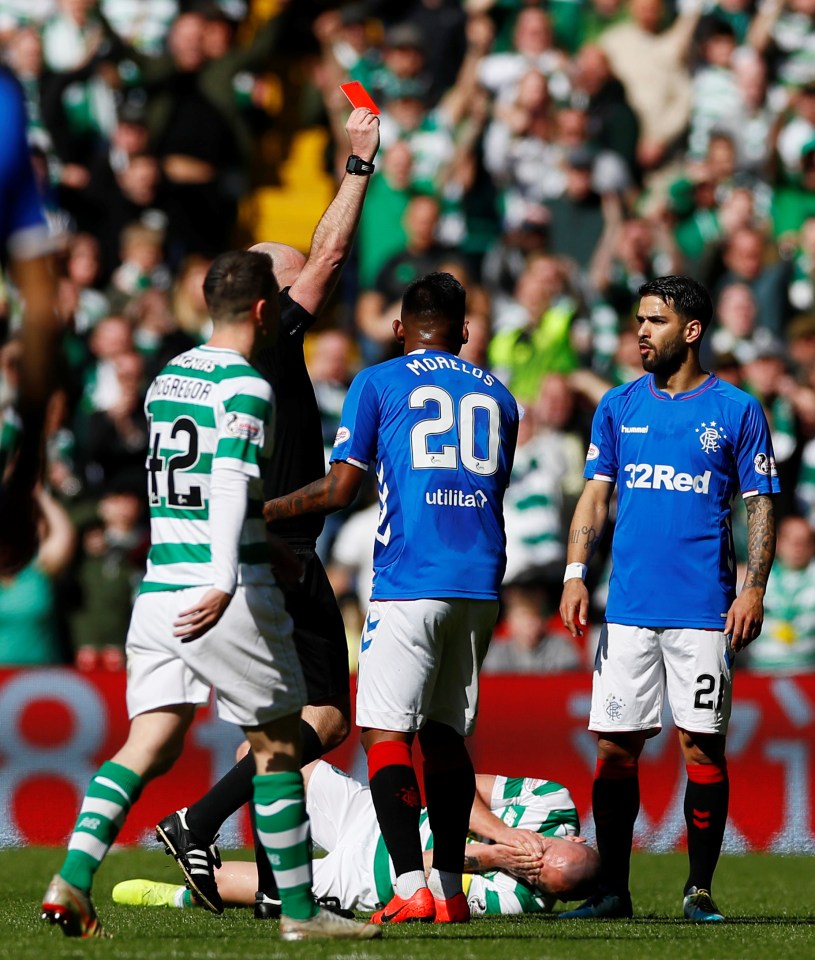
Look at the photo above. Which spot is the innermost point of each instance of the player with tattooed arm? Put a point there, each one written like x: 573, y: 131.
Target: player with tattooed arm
x: 440, y: 434
x: 678, y: 444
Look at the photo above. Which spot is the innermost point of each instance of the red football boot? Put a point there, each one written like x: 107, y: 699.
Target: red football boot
x: 454, y: 910
x: 420, y: 907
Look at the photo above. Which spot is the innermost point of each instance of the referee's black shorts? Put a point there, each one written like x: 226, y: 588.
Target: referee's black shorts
x: 319, y: 631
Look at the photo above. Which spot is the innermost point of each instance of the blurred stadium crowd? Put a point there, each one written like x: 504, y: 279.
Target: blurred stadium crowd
x: 552, y: 155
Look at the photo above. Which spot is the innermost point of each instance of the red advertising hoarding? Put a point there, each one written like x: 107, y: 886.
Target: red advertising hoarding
x: 57, y: 726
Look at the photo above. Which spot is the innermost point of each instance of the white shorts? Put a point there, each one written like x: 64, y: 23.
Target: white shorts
x: 248, y: 657
x: 419, y: 661
x: 343, y: 822
x: 634, y: 666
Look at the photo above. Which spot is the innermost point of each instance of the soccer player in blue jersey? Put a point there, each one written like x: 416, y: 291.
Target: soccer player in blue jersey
x: 441, y: 435
x: 25, y: 244
x: 678, y: 443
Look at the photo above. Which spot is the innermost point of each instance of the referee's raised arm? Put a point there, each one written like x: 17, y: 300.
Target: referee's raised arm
x: 334, y: 234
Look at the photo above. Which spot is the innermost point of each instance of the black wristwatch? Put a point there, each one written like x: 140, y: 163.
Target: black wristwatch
x: 358, y: 166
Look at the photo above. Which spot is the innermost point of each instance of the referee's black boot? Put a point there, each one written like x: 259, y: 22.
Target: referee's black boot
x: 265, y: 907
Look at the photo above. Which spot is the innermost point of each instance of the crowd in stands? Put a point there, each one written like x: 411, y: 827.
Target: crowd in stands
x: 553, y: 156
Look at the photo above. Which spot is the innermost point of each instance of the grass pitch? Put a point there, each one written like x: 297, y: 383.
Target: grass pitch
x: 769, y: 902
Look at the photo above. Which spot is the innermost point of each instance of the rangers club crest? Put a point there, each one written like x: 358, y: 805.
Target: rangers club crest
x: 710, y: 436
x: 614, y: 708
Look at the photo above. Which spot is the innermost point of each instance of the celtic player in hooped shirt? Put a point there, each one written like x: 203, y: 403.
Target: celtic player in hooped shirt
x: 502, y: 875
x: 441, y: 435
x: 209, y: 614
x: 678, y: 444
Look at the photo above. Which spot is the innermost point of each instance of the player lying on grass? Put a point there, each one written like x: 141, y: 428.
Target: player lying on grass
x: 524, y: 852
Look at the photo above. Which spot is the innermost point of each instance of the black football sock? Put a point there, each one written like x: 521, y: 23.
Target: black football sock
x: 397, y: 801
x: 311, y: 745
x: 229, y: 794
x: 449, y: 791
x: 615, y: 802
x: 706, y: 799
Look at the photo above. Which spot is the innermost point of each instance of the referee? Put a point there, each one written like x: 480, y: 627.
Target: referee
x: 298, y: 459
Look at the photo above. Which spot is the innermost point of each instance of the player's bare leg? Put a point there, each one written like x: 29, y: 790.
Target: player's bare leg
x: 154, y: 742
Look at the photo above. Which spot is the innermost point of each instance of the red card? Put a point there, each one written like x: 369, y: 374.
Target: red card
x: 358, y: 95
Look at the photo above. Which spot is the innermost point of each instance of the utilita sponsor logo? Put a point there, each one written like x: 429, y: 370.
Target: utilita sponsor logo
x: 455, y: 498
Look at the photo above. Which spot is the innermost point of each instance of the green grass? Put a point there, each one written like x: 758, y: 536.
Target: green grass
x: 768, y: 901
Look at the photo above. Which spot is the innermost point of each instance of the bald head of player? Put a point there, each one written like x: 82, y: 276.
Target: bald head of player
x: 569, y: 868
x: 433, y: 314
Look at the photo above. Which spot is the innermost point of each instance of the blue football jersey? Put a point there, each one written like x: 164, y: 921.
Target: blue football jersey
x: 23, y: 231
x: 678, y: 462
x: 442, y: 434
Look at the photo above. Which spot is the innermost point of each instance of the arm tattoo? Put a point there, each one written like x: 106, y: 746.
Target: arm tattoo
x: 760, y: 540
x: 588, y: 536
x: 472, y: 864
x: 313, y: 498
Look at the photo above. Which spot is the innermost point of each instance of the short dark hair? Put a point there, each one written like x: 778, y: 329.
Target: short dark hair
x: 235, y: 282
x: 686, y: 296
x: 435, y: 297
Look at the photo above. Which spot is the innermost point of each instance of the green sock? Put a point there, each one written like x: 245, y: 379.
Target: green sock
x: 111, y: 793
x: 283, y: 828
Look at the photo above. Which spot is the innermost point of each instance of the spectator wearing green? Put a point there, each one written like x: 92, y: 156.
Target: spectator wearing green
x: 524, y: 353
x: 787, y: 641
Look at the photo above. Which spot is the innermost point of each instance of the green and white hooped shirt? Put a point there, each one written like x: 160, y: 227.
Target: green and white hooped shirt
x: 539, y: 805
x: 207, y: 408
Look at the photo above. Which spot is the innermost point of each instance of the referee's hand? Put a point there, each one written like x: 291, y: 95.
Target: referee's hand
x: 195, y: 622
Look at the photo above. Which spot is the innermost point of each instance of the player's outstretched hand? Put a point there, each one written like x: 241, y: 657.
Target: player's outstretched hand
x: 363, y: 133
x: 745, y: 617
x: 574, y: 606
x: 194, y: 623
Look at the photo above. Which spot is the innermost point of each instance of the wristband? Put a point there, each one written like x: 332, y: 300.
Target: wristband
x: 575, y: 570
x: 358, y: 166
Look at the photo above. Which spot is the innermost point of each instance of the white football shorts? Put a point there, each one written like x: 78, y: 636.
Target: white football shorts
x: 419, y: 661
x: 248, y: 657
x: 343, y: 822
x: 634, y: 666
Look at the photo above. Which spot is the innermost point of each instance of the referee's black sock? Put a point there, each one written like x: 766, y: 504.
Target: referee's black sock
x: 706, y: 799
x: 311, y: 745
x: 397, y: 801
x: 312, y: 749
x: 230, y: 793
x: 615, y: 802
